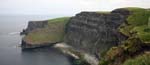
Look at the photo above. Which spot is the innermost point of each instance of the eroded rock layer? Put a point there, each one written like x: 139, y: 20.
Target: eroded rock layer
x: 93, y: 32
x: 32, y: 25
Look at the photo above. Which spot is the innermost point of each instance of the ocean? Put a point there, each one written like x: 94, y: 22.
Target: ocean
x: 10, y: 39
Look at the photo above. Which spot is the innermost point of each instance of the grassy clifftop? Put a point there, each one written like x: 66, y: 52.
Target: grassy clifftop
x: 52, y: 33
x: 139, y: 60
x: 138, y: 17
x: 138, y: 23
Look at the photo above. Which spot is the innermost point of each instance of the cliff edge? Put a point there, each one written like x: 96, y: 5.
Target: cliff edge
x: 44, y: 33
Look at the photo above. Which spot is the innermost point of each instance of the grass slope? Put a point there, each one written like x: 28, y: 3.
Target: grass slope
x: 52, y: 33
x: 137, y: 22
x: 140, y: 60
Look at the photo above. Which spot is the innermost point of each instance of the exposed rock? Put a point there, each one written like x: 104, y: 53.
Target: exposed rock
x: 28, y: 45
x: 34, y: 25
x: 94, y: 33
x: 122, y: 11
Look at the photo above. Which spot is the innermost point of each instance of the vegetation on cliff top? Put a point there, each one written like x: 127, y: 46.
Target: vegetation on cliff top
x: 138, y: 31
x: 137, y: 23
x: 139, y: 60
x: 52, y: 33
x: 138, y: 17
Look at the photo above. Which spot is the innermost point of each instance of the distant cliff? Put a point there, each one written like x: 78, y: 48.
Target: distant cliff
x: 44, y: 33
x: 32, y: 25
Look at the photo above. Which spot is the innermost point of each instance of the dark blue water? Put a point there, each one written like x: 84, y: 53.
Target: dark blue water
x: 11, y: 53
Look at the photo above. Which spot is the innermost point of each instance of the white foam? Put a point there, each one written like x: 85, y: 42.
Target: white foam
x: 13, y: 33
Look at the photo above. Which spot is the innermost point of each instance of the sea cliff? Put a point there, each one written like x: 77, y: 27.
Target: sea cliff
x: 94, y: 32
x: 111, y: 37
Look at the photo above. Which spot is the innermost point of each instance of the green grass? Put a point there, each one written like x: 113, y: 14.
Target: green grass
x: 143, y: 32
x: 52, y: 33
x: 138, y: 17
x: 125, y: 29
x: 140, y: 60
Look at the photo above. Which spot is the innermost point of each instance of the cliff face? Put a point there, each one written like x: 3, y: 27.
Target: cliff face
x: 93, y: 32
x: 32, y: 25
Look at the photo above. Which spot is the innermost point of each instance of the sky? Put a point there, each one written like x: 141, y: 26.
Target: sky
x: 65, y: 7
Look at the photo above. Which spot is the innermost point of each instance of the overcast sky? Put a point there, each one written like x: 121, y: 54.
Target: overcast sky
x: 67, y: 7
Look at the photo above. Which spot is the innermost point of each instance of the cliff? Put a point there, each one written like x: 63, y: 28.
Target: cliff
x: 111, y: 37
x: 32, y: 25
x: 94, y: 33
x: 44, y: 33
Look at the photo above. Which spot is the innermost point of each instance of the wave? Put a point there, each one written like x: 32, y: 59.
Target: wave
x: 13, y: 33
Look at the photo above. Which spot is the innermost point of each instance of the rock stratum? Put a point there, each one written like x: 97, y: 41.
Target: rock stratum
x: 93, y: 32
x: 32, y: 25
x: 111, y: 37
